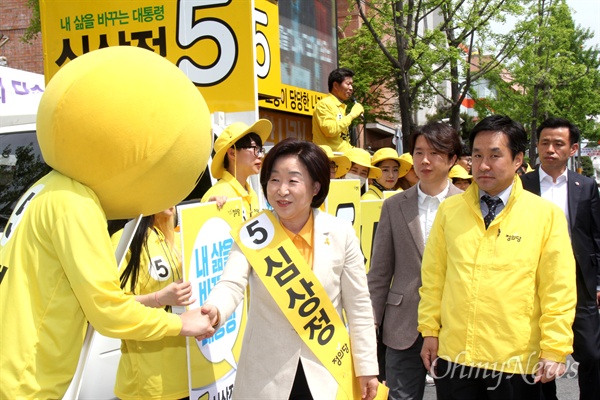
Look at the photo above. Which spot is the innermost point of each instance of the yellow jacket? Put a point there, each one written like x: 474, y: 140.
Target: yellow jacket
x: 154, y: 369
x: 61, y: 272
x: 229, y: 186
x: 372, y: 194
x: 330, y: 124
x: 504, y: 297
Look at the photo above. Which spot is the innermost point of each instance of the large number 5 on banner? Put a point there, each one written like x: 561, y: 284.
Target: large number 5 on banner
x: 190, y: 31
x: 262, y: 19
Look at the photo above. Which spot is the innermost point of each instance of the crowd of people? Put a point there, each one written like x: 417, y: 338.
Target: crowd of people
x: 483, y: 278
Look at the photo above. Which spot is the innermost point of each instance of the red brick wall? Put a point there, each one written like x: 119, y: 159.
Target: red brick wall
x: 14, y: 19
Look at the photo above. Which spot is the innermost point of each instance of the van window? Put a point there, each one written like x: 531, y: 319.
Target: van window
x: 21, y: 165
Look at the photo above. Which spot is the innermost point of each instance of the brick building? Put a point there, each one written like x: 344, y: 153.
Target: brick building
x: 14, y: 53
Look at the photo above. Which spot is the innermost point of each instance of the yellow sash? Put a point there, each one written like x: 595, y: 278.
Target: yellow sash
x: 301, y: 297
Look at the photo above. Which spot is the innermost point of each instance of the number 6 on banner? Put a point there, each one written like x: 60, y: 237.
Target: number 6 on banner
x: 258, y: 232
x: 191, y: 31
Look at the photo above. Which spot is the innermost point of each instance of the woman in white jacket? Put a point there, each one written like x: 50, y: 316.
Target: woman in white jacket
x: 275, y: 361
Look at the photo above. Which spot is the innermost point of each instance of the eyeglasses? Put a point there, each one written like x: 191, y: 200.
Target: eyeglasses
x: 333, y: 167
x: 258, y: 150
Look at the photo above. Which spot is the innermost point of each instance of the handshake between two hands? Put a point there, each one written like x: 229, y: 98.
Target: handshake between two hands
x: 201, y: 322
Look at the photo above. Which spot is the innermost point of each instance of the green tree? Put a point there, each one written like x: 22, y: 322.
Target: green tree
x: 35, y: 26
x: 552, y: 74
x: 426, y: 44
x: 587, y: 167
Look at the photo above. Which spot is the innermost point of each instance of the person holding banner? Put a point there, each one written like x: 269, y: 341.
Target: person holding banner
x: 392, y: 167
x: 296, y: 345
x: 238, y: 154
x: 113, y: 134
x: 155, y: 369
x: 395, y: 270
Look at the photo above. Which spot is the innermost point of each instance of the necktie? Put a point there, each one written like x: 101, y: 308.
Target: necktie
x: 492, y: 203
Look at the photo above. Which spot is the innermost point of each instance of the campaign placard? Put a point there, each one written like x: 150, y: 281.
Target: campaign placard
x: 206, y: 243
x: 370, y: 211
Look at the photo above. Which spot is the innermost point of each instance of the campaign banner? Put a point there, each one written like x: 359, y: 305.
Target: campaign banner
x: 268, y: 68
x: 20, y: 95
x: 294, y: 100
x: 370, y: 211
x: 343, y: 201
x: 206, y: 243
x: 212, y: 41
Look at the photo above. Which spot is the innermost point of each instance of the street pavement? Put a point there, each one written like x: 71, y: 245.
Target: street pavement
x: 566, y: 386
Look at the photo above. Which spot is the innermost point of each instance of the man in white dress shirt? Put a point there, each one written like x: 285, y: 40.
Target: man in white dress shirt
x: 576, y: 195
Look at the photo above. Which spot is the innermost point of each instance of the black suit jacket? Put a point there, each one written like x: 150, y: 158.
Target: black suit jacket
x: 584, y: 223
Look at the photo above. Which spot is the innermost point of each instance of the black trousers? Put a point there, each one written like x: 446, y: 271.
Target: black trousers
x: 458, y: 382
x: 300, y: 390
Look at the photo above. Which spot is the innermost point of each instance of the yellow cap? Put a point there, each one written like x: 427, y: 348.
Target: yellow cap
x: 342, y: 162
x: 362, y: 157
x: 232, y: 134
x: 458, y: 171
x: 387, y: 153
x: 408, y: 158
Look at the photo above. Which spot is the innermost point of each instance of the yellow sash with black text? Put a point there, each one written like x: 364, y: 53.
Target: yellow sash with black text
x: 301, y: 297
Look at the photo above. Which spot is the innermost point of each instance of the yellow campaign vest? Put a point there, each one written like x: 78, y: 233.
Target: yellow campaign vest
x: 301, y: 297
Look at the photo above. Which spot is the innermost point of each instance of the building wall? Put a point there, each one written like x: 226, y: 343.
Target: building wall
x: 14, y: 20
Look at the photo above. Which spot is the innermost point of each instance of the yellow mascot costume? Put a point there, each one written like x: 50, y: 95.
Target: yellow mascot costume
x: 126, y: 133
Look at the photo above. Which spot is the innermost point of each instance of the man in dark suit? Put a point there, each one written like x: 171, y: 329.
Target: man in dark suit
x: 395, y: 274
x: 578, y: 197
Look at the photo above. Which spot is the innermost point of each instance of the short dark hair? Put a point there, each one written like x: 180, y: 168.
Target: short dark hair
x: 465, y: 150
x: 441, y: 136
x: 338, y: 75
x: 310, y: 155
x: 244, y: 141
x: 514, y: 131
x: 554, y: 122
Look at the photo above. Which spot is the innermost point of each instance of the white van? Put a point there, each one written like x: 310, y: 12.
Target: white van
x: 21, y: 164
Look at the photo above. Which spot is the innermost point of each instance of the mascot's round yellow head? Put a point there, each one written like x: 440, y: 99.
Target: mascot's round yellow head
x: 128, y: 124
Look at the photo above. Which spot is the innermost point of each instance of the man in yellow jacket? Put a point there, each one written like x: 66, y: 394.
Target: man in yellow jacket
x: 330, y: 122
x: 498, y: 295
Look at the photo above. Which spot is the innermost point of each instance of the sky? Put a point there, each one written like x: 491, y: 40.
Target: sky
x: 587, y: 14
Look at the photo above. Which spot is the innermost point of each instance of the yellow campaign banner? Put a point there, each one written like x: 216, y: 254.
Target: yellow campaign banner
x: 206, y: 243
x: 212, y: 41
x: 370, y: 211
x: 268, y: 67
x: 343, y: 201
x: 294, y: 99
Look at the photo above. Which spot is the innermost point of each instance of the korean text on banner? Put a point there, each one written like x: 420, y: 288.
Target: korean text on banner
x: 212, y: 41
x: 206, y: 244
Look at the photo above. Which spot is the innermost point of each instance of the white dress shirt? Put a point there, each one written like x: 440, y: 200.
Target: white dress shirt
x: 428, y: 206
x: 555, y: 192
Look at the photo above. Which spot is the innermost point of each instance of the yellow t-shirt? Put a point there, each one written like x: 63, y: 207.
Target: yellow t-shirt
x: 229, y: 186
x: 59, y: 270
x: 157, y: 369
